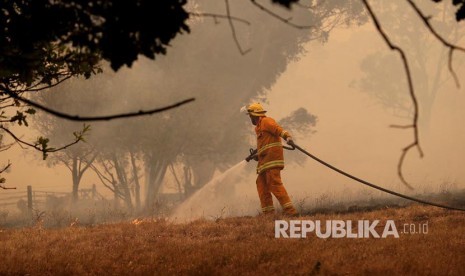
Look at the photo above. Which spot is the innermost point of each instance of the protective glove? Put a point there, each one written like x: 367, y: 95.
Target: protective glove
x: 253, y: 155
x: 289, y: 141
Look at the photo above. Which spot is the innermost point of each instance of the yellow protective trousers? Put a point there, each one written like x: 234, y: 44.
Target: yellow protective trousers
x: 269, y: 182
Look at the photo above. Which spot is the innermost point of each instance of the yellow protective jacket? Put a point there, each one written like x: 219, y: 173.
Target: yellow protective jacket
x: 269, y: 147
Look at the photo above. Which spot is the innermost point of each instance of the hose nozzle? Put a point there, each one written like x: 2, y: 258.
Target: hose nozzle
x: 253, y: 154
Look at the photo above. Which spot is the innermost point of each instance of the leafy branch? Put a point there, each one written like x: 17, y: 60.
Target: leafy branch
x: 42, y: 144
x: 219, y: 16
x: 3, y: 180
x: 20, y: 118
x: 287, y: 21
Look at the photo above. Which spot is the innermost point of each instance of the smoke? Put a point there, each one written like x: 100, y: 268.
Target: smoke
x: 205, y: 64
x: 353, y: 128
x: 286, y: 71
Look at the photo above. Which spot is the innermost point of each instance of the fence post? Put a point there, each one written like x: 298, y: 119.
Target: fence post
x: 94, y: 191
x: 29, y: 200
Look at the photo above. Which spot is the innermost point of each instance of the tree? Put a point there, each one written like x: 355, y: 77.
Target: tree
x: 76, y: 159
x: 112, y: 170
x: 100, y: 156
x: 216, y: 132
x: 407, y: 67
x: 212, y: 132
x: 430, y: 72
x: 196, y: 170
x: 43, y: 43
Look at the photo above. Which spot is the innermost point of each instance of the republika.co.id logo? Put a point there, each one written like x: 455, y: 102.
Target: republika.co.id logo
x: 345, y: 229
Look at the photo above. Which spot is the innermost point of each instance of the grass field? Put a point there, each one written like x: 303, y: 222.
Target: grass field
x: 237, y: 246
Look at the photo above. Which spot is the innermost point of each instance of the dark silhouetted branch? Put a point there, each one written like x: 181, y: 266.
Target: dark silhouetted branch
x: 416, y: 142
x: 220, y: 16
x: 2, y: 180
x: 95, y: 118
x: 33, y: 89
x: 7, y: 188
x: 447, y: 44
x: 231, y: 24
x: 104, y: 179
x: 6, y: 147
x: 285, y: 20
x: 6, y: 167
x: 7, y: 106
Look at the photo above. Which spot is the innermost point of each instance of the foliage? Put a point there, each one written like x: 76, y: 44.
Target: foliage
x: 460, y: 14
x: 210, y: 134
x: 43, y: 43
x: 39, y: 38
x: 299, y: 120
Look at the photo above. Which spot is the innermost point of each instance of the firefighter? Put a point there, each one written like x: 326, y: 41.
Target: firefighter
x: 270, y: 160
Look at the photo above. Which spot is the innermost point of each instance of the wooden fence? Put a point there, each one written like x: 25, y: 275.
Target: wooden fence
x: 35, y: 199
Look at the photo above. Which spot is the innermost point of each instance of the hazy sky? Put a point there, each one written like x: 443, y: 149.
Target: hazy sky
x: 353, y: 130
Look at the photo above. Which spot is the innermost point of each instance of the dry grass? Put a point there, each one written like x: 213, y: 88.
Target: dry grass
x: 236, y: 246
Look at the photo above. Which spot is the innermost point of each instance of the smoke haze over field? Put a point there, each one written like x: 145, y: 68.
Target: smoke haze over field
x: 352, y: 132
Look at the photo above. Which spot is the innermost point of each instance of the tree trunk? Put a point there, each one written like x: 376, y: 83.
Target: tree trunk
x: 76, y: 179
x: 122, y: 179
x: 156, y: 173
x: 136, y: 181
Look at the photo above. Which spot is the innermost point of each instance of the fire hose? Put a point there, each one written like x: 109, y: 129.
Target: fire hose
x: 253, y: 155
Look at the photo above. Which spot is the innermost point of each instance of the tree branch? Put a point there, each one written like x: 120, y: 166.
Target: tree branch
x: 2, y: 180
x: 286, y: 21
x: 100, y: 174
x: 102, y: 180
x: 7, y: 188
x: 31, y: 89
x: 173, y: 172
x: 6, y: 106
x: 95, y: 118
x: 88, y: 163
x: 220, y: 16
x: 6, y: 147
x: 416, y: 142
x: 447, y: 44
x: 66, y: 163
x: 44, y: 149
x: 234, y: 31
x: 6, y: 167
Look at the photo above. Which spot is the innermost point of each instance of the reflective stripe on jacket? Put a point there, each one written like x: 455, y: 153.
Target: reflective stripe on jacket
x: 269, y: 146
